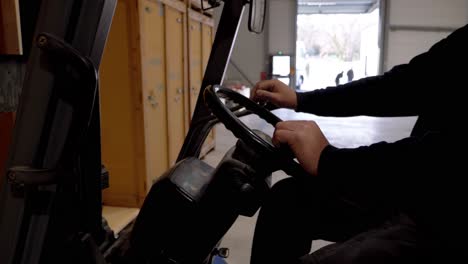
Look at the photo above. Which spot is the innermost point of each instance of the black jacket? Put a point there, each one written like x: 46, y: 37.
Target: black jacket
x: 425, y: 172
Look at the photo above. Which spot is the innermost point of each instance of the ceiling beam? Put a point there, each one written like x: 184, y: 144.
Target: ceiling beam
x: 336, y: 6
x: 332, y: 9
x: 373, y: 7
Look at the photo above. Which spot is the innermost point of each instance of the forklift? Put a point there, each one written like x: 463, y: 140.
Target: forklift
x: 51, y: 198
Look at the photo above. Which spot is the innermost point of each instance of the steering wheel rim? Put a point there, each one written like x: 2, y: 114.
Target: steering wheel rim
x: 284, y: 156
x: 233, y: 123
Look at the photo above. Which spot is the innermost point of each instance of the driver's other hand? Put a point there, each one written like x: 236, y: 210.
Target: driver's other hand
x: 275, y: 92
x: 305, y: 139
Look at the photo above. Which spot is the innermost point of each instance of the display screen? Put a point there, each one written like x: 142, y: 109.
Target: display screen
x: 281, y: 65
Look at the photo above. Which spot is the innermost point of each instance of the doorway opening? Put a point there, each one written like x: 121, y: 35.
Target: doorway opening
x: 337, y: 42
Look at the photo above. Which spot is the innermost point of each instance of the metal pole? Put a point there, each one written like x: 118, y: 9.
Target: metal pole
x: 214, y: 74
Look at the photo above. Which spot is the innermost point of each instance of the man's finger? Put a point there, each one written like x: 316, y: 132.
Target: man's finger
x: 267, y: 85
x: 258, y: 97
x: 263, y: 85
x: 253, y: 91
x: 294, y: 125
x: 263, y: 95
x: 284, y: 137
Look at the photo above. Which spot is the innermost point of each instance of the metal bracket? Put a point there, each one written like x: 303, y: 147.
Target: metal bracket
x: 31, y: 176
x: 212, y: 3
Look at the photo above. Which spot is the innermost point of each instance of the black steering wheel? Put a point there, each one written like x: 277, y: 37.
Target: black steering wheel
x: 283, y: 156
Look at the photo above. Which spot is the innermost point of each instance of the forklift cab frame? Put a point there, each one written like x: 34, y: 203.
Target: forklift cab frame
x: 50, y: 201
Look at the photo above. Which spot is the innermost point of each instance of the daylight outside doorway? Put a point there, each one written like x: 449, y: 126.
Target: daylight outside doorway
x: 337, y: 42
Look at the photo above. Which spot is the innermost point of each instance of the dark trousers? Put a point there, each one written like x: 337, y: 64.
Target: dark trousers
x: 366, y: 229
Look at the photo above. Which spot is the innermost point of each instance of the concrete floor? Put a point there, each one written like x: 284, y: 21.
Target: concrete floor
x: 341, y: 132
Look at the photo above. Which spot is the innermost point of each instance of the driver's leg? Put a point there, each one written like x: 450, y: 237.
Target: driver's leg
x: 295, y: 214
x: 280, y: 231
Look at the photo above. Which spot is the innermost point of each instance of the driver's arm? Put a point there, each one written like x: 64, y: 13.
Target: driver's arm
x: 396, y: 167
x: 421, y: 176
x: 395, y: 162
x: 402, y: 91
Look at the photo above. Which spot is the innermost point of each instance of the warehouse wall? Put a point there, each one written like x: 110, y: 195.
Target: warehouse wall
x: 251, y: 52
x: 412, y: 27
x: 248, y: 53
x: 282, y: 30
x: 282, y: 26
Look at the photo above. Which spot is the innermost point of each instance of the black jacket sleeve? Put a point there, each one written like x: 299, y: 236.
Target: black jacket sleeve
x: 382, y: 163
x: 425, y: 176
x: 402, y: 91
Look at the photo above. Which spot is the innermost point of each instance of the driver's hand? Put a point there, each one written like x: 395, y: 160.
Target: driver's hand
x: 305, y: 139
x: 275, y: 92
